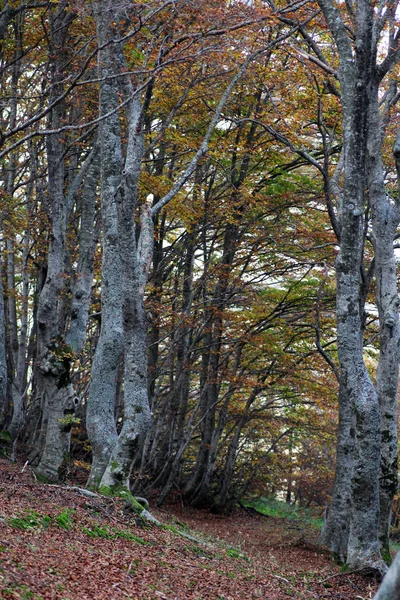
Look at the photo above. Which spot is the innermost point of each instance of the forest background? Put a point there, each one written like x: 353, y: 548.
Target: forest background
x: 174, y: 200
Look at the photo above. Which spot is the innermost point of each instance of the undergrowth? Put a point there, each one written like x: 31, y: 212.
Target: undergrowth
x: 111, y: 534
x: 271, y: 507
x: 31, y: 519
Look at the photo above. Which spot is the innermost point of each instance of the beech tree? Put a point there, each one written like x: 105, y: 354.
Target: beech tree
x: 45, y: 405
x: 127, y: 125
x: 129, y: 253
x: 364, y: 217
x: 389, y: 589
x: 220, y: 364
x: 367, y: 420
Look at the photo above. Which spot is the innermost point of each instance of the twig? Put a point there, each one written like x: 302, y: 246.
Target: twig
x: 24, y: 467
x: 81, y: 491
x: 283, y: 578
x: 339, y: 574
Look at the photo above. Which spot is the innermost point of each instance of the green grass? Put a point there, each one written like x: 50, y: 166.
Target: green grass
x: 271, y: 507
x: 127, y: 535
x: 111, y: 534
x: 98, y: 532
x: 64, y: 520
x: 30, y: 520
x: 234, y: 553
x: 20, y: 591
x: 34, y: 520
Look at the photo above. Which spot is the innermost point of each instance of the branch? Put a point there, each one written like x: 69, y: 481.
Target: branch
x: 319, y: 58
x: 320, y: 348
x: 396, y: 154
x: 8, y: 13
x: 145, y: 246
x: 284, y: 140
x: 204, y: 145
x: 390, y: 61
x: 393, y: 52
x: 46, y: 132
x: 214, y: 121
x: 319, y: 63
x: 78, y: 179
x: 337, y: 28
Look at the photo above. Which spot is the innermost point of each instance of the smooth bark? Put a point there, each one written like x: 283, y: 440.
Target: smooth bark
x: 390, y: 587
x: 3, y: 360
x: 83, y: 277
x: 101, y: 425
x: 385, y: 220
x: 54, y: 400
x: 362, y: 174
x: 335, y: 532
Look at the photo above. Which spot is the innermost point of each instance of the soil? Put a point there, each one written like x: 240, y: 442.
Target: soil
x: 58, y: 544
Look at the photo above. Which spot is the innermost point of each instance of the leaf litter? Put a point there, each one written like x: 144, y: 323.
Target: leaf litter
x: 56, y: 544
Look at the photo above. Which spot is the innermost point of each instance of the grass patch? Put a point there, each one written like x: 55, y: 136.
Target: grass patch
x: 111, y: 534
x: 234, y: 553
x: 30, y: 520
x: 98, y: 532
x: 19, y: 591
x: 64, y: 520
x: 127, y: 535
x: 271, y: 507
x: 34, y: 520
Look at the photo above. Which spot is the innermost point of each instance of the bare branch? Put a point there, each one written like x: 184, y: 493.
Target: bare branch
x: 337, y: 28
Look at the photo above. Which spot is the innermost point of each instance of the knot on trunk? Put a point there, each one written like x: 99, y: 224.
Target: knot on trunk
x: 389, y: 321
x: 56, y: 362
x: 392, y: 312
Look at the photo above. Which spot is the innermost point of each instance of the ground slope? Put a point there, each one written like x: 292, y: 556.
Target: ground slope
x: 56, y: 544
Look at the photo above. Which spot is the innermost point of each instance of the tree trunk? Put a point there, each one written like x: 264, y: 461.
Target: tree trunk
x: 19, y: 384
x: 335, y: 532
x: 385, y: 220
x: 48, y: 327
x: 82, y: 285
x: 135, y: 254
x: 60, y: 405
x: 390, y: 587
x: 101, y: 426
x: 136, y: 405
x: 357, y: 74
x: 3, y: 360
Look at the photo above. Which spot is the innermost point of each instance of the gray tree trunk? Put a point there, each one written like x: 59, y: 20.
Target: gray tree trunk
x: 3, y: 360
x: 362, y: 171
x: 390, y: 587
x: 82, y: 284
x: 61, y: 404
x: 48, y: 327
x: 221, y: 498
x: 14, y: 348
x: 18, y: 389
x: 54, y: 354
x: 101, y: 426
x: 335, y: 532
x: 135, y: 255
x: 385, y: 220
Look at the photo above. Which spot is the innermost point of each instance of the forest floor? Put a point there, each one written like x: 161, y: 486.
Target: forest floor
x: 56, y: 544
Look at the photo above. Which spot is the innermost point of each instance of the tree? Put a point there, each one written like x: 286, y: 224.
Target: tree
x: 147, y: 114
x: 225, y: 353
x: 367, y: 437
x: 45, y: 404
x: 390, y: 589
x: 364, y: 218
x: 132, y: 251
